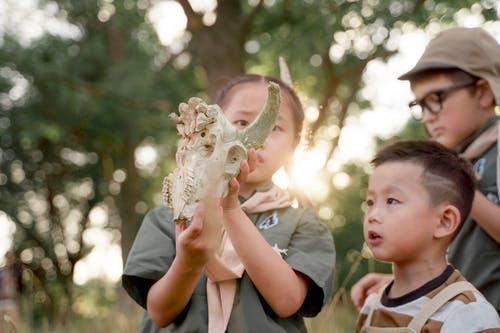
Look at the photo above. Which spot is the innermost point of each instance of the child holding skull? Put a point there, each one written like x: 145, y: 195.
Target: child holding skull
x: 281, y: 257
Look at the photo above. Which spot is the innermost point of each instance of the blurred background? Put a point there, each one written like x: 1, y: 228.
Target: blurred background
x: 85, y: 139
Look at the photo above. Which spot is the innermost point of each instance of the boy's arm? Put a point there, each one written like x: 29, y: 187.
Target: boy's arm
x: 487, y: 214
x: 283, y: 288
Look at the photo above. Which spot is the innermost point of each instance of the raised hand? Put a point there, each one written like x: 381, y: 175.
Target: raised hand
x: 246, y: 167
x: 369, y: 284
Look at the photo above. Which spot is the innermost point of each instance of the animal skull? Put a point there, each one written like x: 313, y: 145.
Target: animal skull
x: 208, y: 139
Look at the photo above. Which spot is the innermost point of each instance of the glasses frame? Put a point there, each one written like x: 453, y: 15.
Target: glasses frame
x: 441, y: 96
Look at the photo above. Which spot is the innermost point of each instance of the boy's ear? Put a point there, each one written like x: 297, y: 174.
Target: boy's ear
x: 448, y: 223
x: 486, y: 97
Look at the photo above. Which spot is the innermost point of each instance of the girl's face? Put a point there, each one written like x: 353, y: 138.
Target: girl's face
x: 242, y: 105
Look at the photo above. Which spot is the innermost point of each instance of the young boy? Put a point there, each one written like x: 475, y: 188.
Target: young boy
x: 418, y: 197
x: 456, y: 83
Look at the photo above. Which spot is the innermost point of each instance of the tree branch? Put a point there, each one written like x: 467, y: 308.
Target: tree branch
x: 194, y: 20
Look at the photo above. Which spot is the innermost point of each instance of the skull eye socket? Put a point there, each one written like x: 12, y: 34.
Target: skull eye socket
x: 235, y: 155
x: 206, y: 150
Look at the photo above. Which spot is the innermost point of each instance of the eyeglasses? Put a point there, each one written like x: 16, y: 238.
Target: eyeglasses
x: 433, y: 101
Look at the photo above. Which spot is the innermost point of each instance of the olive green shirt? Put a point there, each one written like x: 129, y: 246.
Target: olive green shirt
x: 475, y: 253
x: 310, y: 250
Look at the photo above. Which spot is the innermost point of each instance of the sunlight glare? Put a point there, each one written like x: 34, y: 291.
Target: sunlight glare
x: 312, y: 114
x: 7, y: 229
x: 306, y: 165
x: 169, y: 20
x: 203, y: 6
x: 281, y: 179
x: 98, y: 216
x: 355, y: 143
x: 29, y: 20
x: 146, y: 157
x: 325, y: 212
x: 306, y: 173
x: 341, y: 180
x: 105, y: 260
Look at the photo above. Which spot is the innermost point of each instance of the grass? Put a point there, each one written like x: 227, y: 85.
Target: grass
x: 338, y: 316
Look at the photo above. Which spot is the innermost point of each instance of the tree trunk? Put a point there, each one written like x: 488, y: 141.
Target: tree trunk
x: 220, y: 48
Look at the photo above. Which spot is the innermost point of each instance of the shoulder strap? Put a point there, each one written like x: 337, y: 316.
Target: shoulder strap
x: 368, y: 320
x: 437, y: 302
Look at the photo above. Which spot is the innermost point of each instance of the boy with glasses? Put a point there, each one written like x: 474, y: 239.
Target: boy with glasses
x: 456, y: 83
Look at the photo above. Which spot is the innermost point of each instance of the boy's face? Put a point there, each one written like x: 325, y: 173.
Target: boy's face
x: 461, y: 114
x: 399, y: 218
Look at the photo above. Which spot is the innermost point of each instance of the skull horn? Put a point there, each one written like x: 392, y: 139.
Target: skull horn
x: 255, y: 134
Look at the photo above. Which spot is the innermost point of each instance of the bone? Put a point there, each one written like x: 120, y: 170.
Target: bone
x: 208, y: 140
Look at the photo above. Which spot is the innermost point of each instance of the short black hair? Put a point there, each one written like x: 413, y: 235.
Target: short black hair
x: 446, y: 176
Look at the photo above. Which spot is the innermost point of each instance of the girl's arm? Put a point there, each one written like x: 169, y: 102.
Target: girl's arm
x: 169, y: 295
x: 195, y: 245
x: 487, y: 214
x: 283, y: 288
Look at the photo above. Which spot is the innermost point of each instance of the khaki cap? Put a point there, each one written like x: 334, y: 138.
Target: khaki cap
x: 472, y: 50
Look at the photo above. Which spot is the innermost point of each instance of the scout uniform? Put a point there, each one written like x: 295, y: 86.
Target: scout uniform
x: 446, y: 304
x: 473, y: 251
x: 296, y: 233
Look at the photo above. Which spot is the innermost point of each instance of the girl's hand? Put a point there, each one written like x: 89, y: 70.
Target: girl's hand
x: 246, y: 166
x: 198, y: 241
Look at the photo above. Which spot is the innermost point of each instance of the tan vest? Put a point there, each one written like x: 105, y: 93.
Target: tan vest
x: 418, y: 322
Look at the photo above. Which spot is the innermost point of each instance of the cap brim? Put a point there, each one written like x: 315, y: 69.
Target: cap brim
x: 425, y: 67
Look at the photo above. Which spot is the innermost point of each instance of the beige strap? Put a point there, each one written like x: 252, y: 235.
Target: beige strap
x: 418, y: 322
x: 368, y: 320
x: 437, y: 302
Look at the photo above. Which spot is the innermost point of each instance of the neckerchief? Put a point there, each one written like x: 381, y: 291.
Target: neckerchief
x: 482, y: 142
x: 225, y: 268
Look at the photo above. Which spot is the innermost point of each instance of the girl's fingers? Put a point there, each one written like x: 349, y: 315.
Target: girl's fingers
x: 234, y: 187
x: 244, y: 171
x: 252, y: 159
x: 195, y: 227
x: 231, y: 199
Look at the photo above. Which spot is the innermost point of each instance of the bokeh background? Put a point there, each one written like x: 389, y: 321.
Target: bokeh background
x: 85, y: 139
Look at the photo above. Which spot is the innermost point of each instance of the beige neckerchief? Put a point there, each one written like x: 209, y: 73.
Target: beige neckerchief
x: 481, y: 144
x: 225, y: 268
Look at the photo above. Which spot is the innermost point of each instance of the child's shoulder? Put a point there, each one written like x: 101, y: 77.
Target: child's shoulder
x: 468, y: 310
x: 159, y: 218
